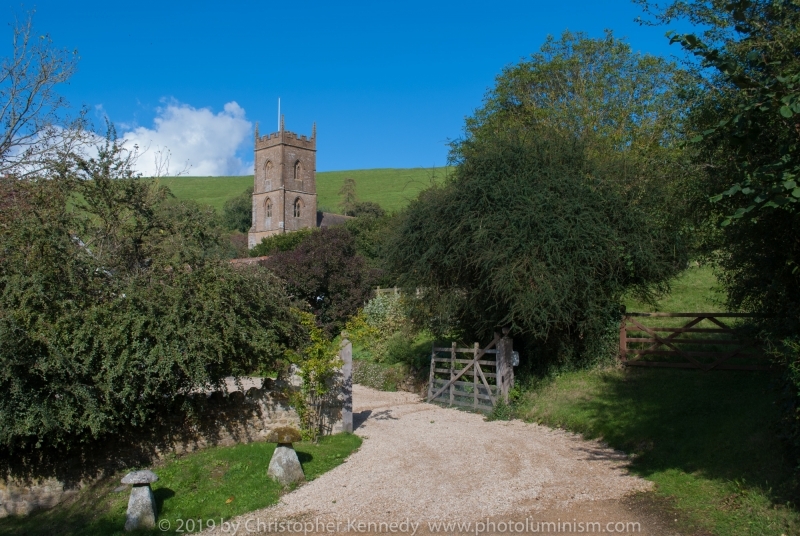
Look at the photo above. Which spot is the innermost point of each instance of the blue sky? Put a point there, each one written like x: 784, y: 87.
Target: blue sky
x: 388, y: 83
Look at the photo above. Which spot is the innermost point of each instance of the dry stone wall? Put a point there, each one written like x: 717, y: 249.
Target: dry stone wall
x: 225, y: 419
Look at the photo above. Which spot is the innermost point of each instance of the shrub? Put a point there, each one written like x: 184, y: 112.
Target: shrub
x: 318, y: 361
x: 403, y: 347
x: 502, y: 411
x: 325, y: 272
x: 280, y: 242
x: 379, y: 376
x: 366, y: 209
x: 237, y: 213
x: 376, y: 326
x: 371, y: 234
x: 114, y: 303
x: 385, y: 314
x: 787, y: 357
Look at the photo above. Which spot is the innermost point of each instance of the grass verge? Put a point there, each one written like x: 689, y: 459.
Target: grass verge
x: 707, y: 440
x: 213, y: 484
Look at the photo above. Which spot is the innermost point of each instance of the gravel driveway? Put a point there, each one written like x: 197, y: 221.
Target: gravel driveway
x: 422, y: 463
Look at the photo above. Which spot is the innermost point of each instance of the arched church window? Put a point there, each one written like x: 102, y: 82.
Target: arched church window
x: 298, y: 205
x: 268, y: 208
x: 298, y: 171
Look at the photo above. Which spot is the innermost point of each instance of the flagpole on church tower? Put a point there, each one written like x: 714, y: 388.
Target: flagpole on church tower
x: 279, y: 114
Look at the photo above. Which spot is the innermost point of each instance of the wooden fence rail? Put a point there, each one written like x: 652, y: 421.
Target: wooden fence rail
x: 396, y: 291
x: 720, y: 347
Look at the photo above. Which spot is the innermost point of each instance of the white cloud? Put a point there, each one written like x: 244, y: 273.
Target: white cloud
x: 196, y: 138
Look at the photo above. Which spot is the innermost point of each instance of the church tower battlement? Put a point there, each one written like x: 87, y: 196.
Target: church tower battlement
x: 284, y: 183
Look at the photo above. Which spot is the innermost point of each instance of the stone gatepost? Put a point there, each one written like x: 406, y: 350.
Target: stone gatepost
x: 346, y: 355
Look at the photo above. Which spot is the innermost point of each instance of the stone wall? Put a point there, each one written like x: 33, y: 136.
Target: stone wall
x: 239, y: 416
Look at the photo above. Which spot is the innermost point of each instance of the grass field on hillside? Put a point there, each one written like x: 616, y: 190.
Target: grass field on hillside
x: 212, y: 191
x: 391, y: 188
x: 696, y: 290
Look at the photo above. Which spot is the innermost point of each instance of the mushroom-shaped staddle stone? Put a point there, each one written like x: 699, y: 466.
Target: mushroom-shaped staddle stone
x: 285, y: 466
x: 142, y: 505
x: 284, y: 435
x: 140, y: 478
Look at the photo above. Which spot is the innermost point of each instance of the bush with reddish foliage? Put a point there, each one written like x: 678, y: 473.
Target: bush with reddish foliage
x: 326, y: 272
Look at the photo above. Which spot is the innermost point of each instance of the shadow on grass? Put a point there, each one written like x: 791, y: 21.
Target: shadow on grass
x: 161, y: 495
x: 66, y: 524
x: 720, y: 424
x: 304, y: 457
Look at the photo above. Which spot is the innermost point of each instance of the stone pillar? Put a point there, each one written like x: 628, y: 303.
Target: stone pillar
x: 346, y: 354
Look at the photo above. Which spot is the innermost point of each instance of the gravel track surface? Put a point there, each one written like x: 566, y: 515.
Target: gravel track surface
x: 426, y: 463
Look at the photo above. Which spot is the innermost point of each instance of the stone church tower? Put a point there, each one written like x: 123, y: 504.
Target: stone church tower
x: 285, y: 184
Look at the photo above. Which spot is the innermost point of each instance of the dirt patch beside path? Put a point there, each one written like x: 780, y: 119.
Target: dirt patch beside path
x: 421, y: 463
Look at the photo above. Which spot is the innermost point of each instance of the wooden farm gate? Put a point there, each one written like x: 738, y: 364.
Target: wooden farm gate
x: 703, y: 342
x: 467, y: 381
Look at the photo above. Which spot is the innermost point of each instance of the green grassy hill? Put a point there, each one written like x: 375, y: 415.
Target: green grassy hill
x: 695, y: 290
x: 391, y: 188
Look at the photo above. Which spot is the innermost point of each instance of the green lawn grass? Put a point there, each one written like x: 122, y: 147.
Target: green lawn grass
x: 391, y: 188
x: 213, y: 484
x: 706, y: 439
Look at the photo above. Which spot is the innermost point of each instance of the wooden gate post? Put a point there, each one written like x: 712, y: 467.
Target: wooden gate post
x: 505, y: 369
x: 475, y: 350
x: 452, y: 372
x: 432, y: 372
x: 623, y: 340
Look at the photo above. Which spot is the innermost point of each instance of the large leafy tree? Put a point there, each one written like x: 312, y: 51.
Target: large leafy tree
x: 561, y: 201
x: 237, y: 213
x: 581, y: 85
x: 744, y: 132
x: 616, y: 100
x: 747, y: 118
x: 530, y: 234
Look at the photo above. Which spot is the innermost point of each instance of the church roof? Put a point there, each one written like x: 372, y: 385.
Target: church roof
x: 329, y: 219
